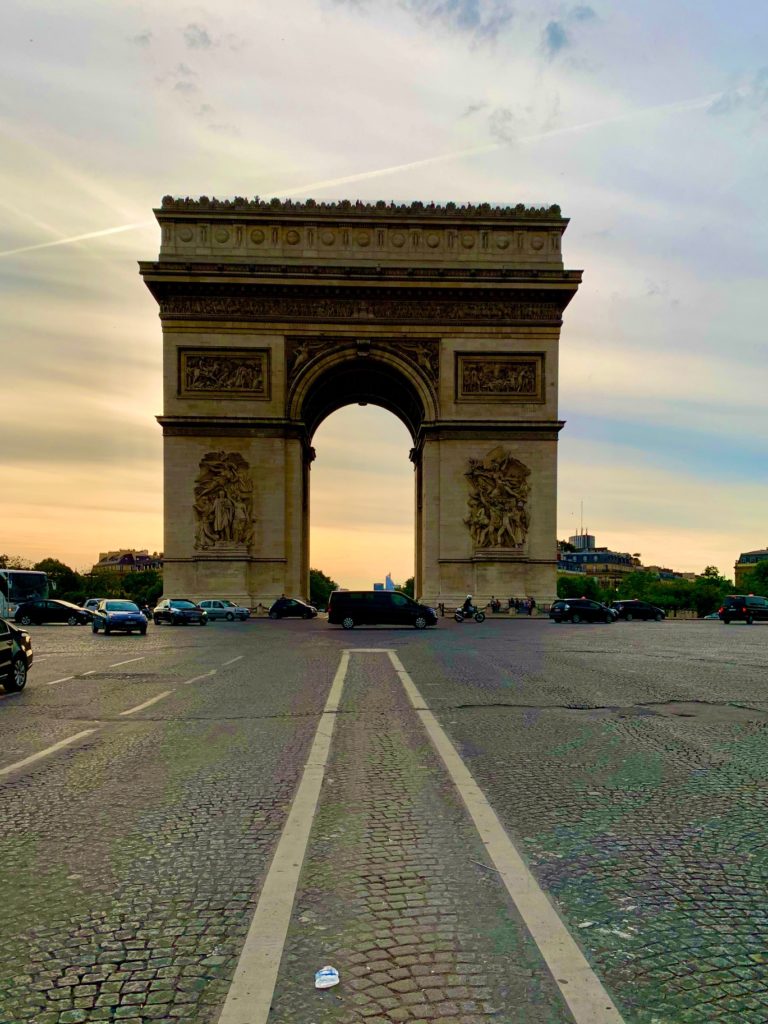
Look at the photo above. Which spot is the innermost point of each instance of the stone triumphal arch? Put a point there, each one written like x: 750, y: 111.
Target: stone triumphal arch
x: 275, y: 314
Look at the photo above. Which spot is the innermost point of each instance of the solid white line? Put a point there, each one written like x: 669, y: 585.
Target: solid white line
x: 90, y: 672
x: 44, y: 753
x: 64, y: 679
x: 579, y: 985
x: 195, y: 679
x: 127, y: 662
x: 250, y: 995
x: 233, y: 660
x: 147, y: 703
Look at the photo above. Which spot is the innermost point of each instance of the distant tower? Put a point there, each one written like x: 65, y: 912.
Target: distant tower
x: 388, y: 584
x: 582, y: 541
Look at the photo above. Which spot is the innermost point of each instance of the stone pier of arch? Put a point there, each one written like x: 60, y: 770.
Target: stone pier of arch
x: 275, y: 314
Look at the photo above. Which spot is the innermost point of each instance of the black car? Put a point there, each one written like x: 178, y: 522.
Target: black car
x: 115, y: 616
x: 15, y: 656
x: 38, y: 612
x: 638, y: 610
x: 179, y: 611
x: 581, y: 609
x: 350, y: 608
x: 747, y: 608
x: 286, y: 607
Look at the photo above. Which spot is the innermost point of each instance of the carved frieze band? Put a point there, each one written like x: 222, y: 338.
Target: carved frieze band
x: 498, y: 501
x: 230, y: 373
x: 424, y: 353
x: 500, y: 378
x: 246, y: 307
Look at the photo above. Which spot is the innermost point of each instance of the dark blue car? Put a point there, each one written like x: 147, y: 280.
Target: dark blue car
x: 115, y: 616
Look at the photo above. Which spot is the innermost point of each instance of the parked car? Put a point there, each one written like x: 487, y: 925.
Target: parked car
x: 350, y: 608
x: 179, y: 611
x: 224, y: 609
x: 291, y: 607
x: 581, y: 609
x: 38, y: 612
x: 15, y: 656
x: 91, y: 604
x: 747, y: 608
x: 118, y: 616
x: 635, y: 609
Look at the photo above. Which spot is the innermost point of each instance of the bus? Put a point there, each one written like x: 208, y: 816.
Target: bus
x: 18, y: 585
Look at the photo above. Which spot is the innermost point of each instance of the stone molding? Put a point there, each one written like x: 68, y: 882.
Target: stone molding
x: 422, y: 353
x: 499, y: 377
x: 348, y: 208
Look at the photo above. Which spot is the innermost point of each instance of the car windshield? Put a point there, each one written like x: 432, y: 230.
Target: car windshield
x: 182, y: 604
x: 121, y: 606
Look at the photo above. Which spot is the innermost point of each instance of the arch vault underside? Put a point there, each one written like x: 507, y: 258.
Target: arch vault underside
x: 275, y: 314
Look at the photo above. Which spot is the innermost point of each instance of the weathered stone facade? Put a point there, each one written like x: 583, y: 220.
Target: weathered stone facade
x: 275, y: 314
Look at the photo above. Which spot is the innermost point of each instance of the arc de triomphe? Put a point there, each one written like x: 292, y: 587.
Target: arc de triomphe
x: 275, y: 314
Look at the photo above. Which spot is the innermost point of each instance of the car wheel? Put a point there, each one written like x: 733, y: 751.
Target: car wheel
x: 26, y: 620
x: 629, y: 616
x: 72, y: 620
x: 749, y: 620
x: 575, y: 619
x: 107, y: 630
x: 419, y: 622
x: 229, y: 617
x: 95, y: 627
x: 348, y: 622
x: 307, y: 615
x: 658, y: 618
x: 156, y: 619
x: 608, y: 620
x: 143, y: 631
x: 18, y: 677
x: 274, y: 615
x: 203, y: 622
x: 726, y: 622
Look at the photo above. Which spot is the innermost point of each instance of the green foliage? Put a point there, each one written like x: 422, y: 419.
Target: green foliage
x: 637, y: 584
x: 565, y: 545
x: 582, y: 586
x: 756, y: 582
x: 67, y: 585
x: 143, y: 587
x: 320, y: 587
x: 408, y: 587
x: 14, y: 562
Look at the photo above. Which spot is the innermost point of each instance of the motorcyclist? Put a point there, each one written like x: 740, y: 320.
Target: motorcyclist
x: 468, y: 608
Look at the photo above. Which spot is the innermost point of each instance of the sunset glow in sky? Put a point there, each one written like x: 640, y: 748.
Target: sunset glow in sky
x: 647, y: 124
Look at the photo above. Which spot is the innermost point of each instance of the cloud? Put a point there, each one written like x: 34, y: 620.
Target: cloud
x: 752, y: 96
x: 483, y: 20
x: 582, y: 13
x: 188, y: 88
x: 142, y: 39
x: 555, y: 39
x: 501, y: 123
x: 197, y: 38
x: 473, y: 108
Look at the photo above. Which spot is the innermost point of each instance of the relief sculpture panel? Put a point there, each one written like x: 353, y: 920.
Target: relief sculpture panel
x: 498, y: 501
x: 223, y: 502
x: 238, y: 373
x: 505, y: 378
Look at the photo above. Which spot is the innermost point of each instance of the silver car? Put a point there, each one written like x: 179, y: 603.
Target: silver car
x: 223, y: 609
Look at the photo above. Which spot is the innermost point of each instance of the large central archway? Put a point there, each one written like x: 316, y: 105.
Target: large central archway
x: 277, y: 314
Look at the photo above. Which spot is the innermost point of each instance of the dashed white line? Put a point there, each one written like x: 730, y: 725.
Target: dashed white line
x: 233, y: 660
x: 64, y: 679
x: 196, y: 679
x: 126, y: 662
x: 579, y: 986
x: 90, y: 672
x: 44, y: 753
x: 147, y: 703
x: 250, y: 995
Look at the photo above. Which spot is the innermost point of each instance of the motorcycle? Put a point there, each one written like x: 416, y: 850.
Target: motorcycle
x: 473, y: 613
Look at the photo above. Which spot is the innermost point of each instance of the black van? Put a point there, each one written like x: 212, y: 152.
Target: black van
x: 744, y: 608
x: 350, y: 608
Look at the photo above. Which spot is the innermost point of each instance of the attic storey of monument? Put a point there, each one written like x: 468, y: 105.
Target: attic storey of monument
x: 277, y: 313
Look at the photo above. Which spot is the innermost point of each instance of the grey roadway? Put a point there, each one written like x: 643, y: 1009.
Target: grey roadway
x: 629, y: 764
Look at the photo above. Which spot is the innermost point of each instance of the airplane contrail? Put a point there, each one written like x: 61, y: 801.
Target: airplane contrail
x: 681, y: 106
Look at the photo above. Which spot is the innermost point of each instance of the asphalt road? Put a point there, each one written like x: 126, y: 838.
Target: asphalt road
x: 628, y: 764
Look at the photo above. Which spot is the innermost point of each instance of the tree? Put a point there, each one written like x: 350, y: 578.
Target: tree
x: 68, y: 585
x: 580, y: 585
x: 144, y: 587
x: 320, y: 587
x: 565, y: 545
x: 14, y: 562
x: 756, y: 582
x: 408, y: 587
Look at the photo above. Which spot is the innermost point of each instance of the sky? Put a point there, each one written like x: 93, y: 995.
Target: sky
x: 647, y: 123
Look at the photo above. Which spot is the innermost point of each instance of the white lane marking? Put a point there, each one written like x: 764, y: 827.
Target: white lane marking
x: 196, y: 679
x: 579, y: 985
x: 147, y: 703
x: 250, y: 995
x: 126, y: 662
x: 64, y: 679
x: 233, y: 660
x: 44, y: 753
x: 90, y: 672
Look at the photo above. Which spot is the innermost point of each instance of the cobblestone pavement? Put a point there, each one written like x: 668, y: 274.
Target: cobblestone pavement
x: 629, y: 763
x: 397, y: 892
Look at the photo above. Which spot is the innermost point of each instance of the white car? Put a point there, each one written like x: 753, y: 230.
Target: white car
x: 224, y: 609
